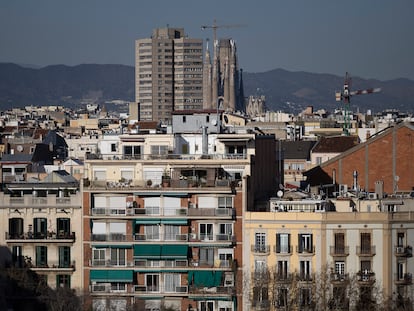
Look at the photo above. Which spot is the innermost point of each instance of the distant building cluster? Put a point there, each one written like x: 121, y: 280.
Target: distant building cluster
x: 190, y: 202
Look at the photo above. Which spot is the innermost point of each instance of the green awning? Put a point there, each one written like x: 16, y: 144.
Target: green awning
x: 204, y: 278
x: 174, y: 251
x: 150, y: 221
x: 174, y: 221
x: 157, y: 251
x: 111, y: 275
x: 148, y: 251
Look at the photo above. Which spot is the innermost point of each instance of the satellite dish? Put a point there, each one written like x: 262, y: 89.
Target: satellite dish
x: 214, y: 122
x: 19, y: 148
x: 280, y: 193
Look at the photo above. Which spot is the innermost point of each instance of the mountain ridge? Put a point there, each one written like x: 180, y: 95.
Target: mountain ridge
x: 289, y: 91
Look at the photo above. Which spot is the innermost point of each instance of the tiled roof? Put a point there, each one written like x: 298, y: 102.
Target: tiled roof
x: 335, y: 144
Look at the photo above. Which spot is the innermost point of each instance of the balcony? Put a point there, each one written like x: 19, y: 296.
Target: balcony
x: 143, y: 289
x: 40, y: 236
x: 119, y: 237
x: 365, y: 251
x: 339, y: 278
x: 366, y: 277
x: 261, y: 249
x: 305, y: 277
x: 283, y: 277
x: 403, y: 279
x: 305, y: 250
x: 30, y: 201
x: 144, y: 263
x: 51, y: 265
x: 165, y: 238
x: 211, y: 212
x: 211, y: 238
x: 401, y: 251
x: 110, y: 263
x: 336, y: 251
x: 123, y: 211
x: 283, y: 249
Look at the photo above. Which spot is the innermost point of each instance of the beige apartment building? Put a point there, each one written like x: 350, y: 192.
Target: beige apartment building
x: 320, y: 255
x: 168, y: 74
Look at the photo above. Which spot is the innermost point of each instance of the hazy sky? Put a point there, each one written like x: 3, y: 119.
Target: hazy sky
x: 368, y: 38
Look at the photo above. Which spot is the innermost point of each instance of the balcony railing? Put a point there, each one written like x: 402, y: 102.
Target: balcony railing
x: 366, y: 277
x: 306, y: 250
x: 339, y: 277
x: 339, y: 251
x: 260, y: 249
x: 110, y: 263
x: 29, y: 236
x: 403, y: 279
x: 143, y: 263
x: 168, y: 156
x: 183, y: 289
x: 51, y: 201
x: 403, y: 251
x: 365, y: 250
x: 55, y: 265
x: 283, y: 249
x: 306, y: 277
x: 283, y: 276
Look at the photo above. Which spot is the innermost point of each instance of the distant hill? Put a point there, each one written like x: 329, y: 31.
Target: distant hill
x: 284, y: 90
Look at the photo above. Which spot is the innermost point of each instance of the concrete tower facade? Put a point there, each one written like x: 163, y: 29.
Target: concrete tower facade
x: 168, y: 74
x: 224, y: 82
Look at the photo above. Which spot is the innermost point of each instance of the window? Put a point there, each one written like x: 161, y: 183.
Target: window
x: 339, y: 243
x: 64, y: 256
x: 152, y: 282
x: 226, y: 232
x: 282, y: 297
x: 283, y: 243
x: 305, y: 243
x: 159, y: 150
x: 63, y: 227
x: 98, y: 257
x: 184, y: 119
x: 305, y: 297
x: 41, y: 256
x: 400, y: 270
x: 340, y: 267
x: 17, y: 256
x: 63, y: 280
x: 365, y: 266
x: 206, y: 306
x: 365, y: 243
x: 118, y: 287
x: 113, y: 147
x: 225, y: 202
x: 171, y: 282
x: 282, y: 269
x: 171, y: 232
x: 16, y: 228
x: 206, y: 256
x: 206, y: 232
x: 260, y: 242
x: 318, y: 160
x: 132, y: 152
x: 152, y: 232
x: 260, y: 266
x: 305, y: 270
x: 118, y: 257
x: 400, y: 239
x: 40, y: 228
x: 260, y: 296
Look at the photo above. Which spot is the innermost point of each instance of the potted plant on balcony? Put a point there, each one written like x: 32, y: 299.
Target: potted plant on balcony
x: 166, y: 178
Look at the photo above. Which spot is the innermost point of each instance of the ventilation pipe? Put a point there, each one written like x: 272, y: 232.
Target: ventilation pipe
x: 204, y: 142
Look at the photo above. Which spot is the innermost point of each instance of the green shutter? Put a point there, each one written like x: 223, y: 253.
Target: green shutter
x: 148, y: 251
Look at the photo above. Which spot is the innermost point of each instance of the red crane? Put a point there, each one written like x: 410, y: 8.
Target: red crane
x: 345, y: 96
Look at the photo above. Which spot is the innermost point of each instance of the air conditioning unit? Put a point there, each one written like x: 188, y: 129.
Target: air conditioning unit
x: 372, y: 196
x: 400, y: 250
x: 193, y: 236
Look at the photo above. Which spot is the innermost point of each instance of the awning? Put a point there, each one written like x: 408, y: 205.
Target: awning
x: 111, y: 275
x: 174, y: 251
x: 205, y: 278
x: 148, y: 251
x: 156, y: 251
x: 150, y: 221
x: 174, y: 221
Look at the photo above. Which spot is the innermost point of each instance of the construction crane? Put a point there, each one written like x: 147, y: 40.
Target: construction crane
x: 215, y: 27
x: 345, y: 96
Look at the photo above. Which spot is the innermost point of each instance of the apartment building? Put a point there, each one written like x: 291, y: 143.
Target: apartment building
x: 43, y: 228
x: 168, y: 74
x: 162, y: 228
x: 313, y: 254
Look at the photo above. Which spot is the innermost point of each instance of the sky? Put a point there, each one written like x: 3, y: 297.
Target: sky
x: 367, y: 38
